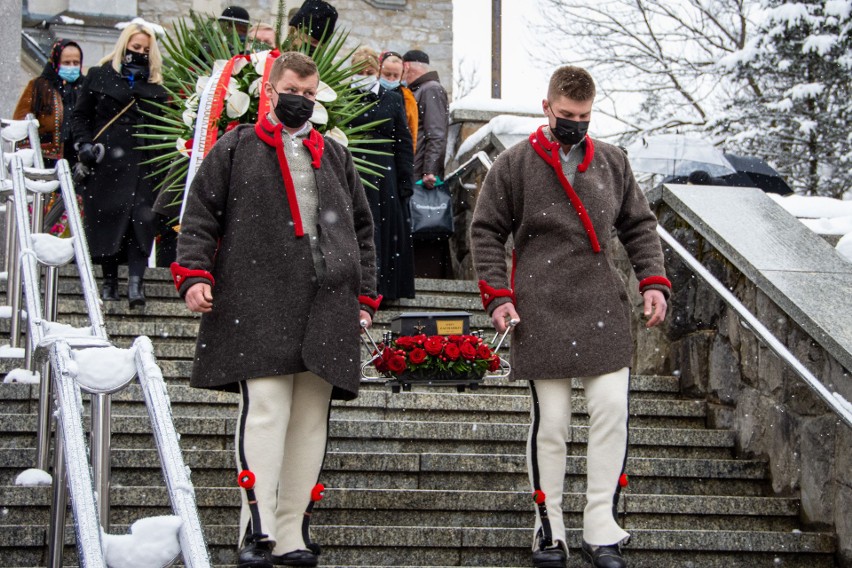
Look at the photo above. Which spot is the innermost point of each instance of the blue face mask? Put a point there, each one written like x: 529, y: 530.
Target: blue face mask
x: 389, y: 85
x: 69, y: 73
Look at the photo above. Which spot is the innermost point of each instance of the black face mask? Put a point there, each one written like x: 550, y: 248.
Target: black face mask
x: 570, y: 132
x: 293, y: 110
x: 135, y: 65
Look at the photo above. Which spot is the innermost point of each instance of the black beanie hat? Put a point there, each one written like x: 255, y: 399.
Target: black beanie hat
x: 416, y: 56
x: 235, y: 14
x: 316, y: 14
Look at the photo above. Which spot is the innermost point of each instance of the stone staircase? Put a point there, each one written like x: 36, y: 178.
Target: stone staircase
x: 431, y: 477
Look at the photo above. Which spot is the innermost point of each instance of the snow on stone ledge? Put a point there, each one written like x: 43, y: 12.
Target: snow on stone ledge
x: 69, y: 21
x: 501, y: 125
x: 152, y: 542
x: 496, y: 105
x: 33, y: 478
x: 156, y: 28
x: 823, y: 215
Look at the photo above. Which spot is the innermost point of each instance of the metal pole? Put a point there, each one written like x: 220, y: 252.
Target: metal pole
x: 45, y: 401
x: 11, y: 238
x: 13, y: 284
x: 56, y: 528
x: 100, y: 453
x: 496, y: 48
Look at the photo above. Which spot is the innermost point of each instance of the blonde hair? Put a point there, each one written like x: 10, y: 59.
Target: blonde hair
x: 155, y: 60
x: 366, y: 57
x: 261, y: 27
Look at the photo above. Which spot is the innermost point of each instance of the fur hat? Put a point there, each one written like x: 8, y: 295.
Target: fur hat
x: 316, y: 15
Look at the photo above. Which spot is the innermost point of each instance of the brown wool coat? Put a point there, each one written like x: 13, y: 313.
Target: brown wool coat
x: 573, y: 305
x: 270, y: 316
x: 49, y: 123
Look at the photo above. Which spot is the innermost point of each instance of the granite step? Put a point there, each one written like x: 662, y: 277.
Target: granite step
x: 393, y: 507
x: 459, y: 546
x: 506, y: 472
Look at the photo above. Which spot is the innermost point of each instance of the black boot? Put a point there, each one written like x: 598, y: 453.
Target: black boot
x: 109, y: 290
x: 135, y: 292
x: 255, y: 554
x: 549, y: 558
x: 296, y: 558
x: 604, y: 556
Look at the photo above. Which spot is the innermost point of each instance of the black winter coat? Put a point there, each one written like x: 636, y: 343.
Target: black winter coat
x: 270, y: 314
x: 118, y: 194
x: 394, y: 252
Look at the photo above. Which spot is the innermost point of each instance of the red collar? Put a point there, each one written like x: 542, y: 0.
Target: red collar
x: 271, y: 134
x: 549, y: 151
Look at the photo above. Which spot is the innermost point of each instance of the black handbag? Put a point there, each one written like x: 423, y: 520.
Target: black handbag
x: 431, y: 212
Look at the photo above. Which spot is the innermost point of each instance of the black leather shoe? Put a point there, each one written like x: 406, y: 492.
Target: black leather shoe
x: 255, y: 554
x: 109, y: 290
x: 296, y: 558
x: 604, y: 556
x: 135, y: 292
x: 549, y: 558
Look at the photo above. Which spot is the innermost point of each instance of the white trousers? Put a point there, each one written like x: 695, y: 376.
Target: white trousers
x: 281, y: 437
x: 550, y: 432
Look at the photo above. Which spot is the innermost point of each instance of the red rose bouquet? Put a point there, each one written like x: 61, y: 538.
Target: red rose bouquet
x: 437, y: 357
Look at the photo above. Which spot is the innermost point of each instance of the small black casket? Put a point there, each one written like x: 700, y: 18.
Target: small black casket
x: 431, y: 323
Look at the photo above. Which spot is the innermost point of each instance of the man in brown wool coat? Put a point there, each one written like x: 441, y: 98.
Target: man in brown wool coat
x: 276, y: 251
x: 560, y: 195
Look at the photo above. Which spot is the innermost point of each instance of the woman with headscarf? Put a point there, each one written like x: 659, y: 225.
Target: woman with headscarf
x: 119, y: 192
x: 51, y: 98
x: 389, y: 205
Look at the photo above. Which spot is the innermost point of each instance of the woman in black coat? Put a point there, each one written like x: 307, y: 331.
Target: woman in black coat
x: 118, y: 194
x: 389, y: 205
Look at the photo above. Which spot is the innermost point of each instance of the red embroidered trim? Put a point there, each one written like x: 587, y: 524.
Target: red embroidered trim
x: 180, y: 274
x: 275, y: 140
x: 371, y: 303
x: 514, y: 266
x: 489, y: 293
x: 315, y: 143
x: 651, y: 280
x: 549, y: 152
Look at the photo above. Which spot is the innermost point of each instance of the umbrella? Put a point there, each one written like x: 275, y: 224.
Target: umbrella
x: 755, y: 172
x: 677, y: 155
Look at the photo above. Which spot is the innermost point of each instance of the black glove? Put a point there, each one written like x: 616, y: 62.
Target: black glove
x: 86, y: 154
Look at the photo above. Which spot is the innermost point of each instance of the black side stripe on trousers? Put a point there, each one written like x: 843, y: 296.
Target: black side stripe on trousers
x: 617, y: 493
x: 253, y: 527
x: 306, y: 521
x: 547, y: 533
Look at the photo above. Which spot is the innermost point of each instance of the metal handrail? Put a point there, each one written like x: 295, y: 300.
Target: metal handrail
x: 479, y: 158
x: 761, y: 331
x: 70, y: 451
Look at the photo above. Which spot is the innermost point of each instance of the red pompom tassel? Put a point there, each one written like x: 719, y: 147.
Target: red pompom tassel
x: 622, y: 481
x: 246, y: 479
x: 538, y: 496
x: 318, y: 492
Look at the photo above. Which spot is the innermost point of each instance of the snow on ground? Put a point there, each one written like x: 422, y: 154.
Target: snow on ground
x: 33, y: 477
x: 152, y: 543
x: 823, y: 215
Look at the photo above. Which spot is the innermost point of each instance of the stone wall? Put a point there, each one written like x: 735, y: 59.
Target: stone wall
x: 12, y: 74
x: 749, y: 389
x: 416, y: 24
